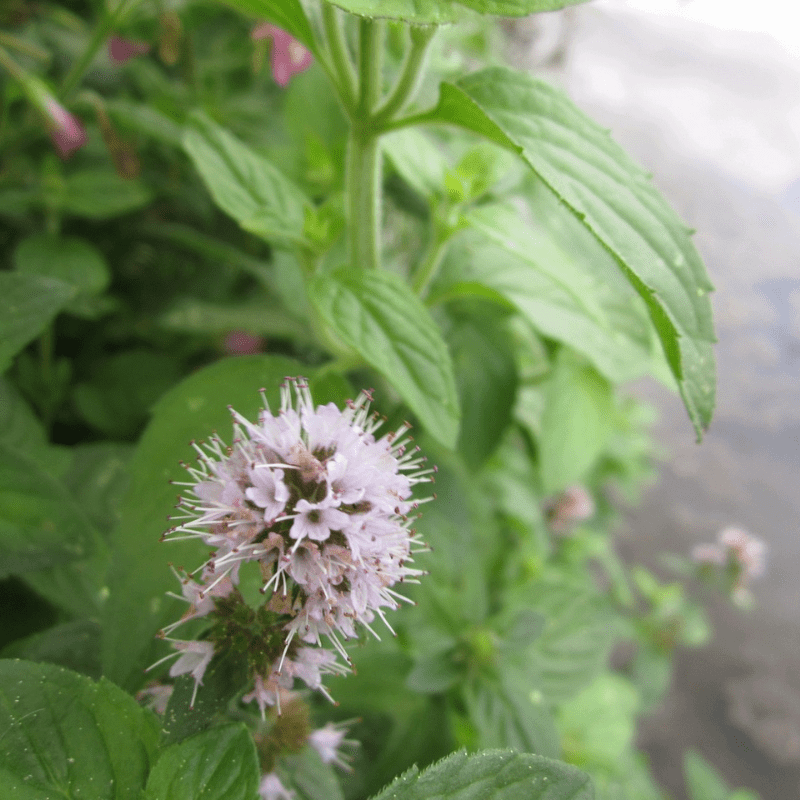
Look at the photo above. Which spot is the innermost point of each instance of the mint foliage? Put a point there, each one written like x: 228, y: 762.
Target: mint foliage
x: 28, y: 303
x: 613, y: 198
x: 380, y: 318
x: 244, y: 184
x: 492, y: 774
x: 68, y: 736
x: 220, y: 764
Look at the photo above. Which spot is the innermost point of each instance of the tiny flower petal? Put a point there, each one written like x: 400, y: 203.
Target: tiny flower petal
x: 271, y: 788
x: 288, y: 58
x: 328, y: 741
x: 316, y: 520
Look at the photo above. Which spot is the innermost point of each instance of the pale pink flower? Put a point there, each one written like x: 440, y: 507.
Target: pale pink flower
x: 121, y: 49
x: 748, y: 550
x: 155, y: 697
x: 195, y: 658
x: 708, y: 554
x: 328, y: 742
x: 573, y: 505
x: 66, y: 131
x: 736, y: 553
x: 268, y: 491
x: 288, y: 57
x: 271, y: 788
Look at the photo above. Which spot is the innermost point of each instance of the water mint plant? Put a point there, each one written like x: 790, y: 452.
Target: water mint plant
x: 199, y: 199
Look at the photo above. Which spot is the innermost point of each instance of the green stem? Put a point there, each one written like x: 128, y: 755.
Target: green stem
x: 79, y: 68
x: 340, y: 63
x: 99, y: 35
x: 27, y: 48
x: 11, y: 66
x: 363, y: 178
x: 429, y: 266
x: 411, y: 73
x: 363, y: 185
x: 370, y: 64
x: 407, y: 122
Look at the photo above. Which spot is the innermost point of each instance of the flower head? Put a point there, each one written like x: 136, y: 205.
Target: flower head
x: 324, y: 507
x: 288, y: 57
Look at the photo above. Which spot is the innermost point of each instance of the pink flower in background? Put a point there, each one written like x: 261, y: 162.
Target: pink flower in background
x: 288, y: 58
x: 573, y: 505
x: 66, y: 131
x: 242, y: 343
x: 121, y: 50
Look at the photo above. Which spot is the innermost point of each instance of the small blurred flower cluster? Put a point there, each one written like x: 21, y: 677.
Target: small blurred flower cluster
x: 567, y: 509
x: 324, y: 509
x: 737, y: 556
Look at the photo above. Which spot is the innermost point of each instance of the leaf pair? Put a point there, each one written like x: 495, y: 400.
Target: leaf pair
x: 65, y: 734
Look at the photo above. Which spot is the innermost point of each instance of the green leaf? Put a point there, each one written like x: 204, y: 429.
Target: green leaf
x: 123, y: 388
x: 435, y: 672
x: 417, y: 158
x: 224, y: 677
x: 474, y: 268
x: 307, y: 775
x: 286, y: 14
x: 378, y: 316
x: 420, y: 12
x: 486, y: 376
x: 144, y: 118
x: 576, y: 424
x: 40, y: 523
x: 257, y: 316
x: 218, y: 764
x: 508, y: 713
x: 97, y: 477
x: 702, y: 780
x: 67, y: 258
x: 598, y: 725
x: 573, y: 647
x: 66, y: 736
x: 613, y: 198
x: 516, y: 8
x: 74, y: 645
x: 102, y: 194
x: 137, y: 606
x: 28, y: 303
x: 491, y: 775
x: 441, y: 11
x: 20, y: 429
x: 245, y: 185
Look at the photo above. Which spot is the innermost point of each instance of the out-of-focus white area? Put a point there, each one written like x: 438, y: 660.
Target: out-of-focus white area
x: 716, y: 56
x: 705, y: 94
x: 778, y: 18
